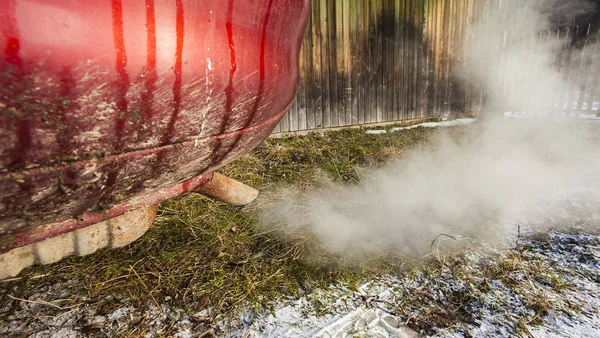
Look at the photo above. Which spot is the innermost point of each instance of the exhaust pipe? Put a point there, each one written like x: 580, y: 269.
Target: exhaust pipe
x: 116, y: 231
x: 227, y: 190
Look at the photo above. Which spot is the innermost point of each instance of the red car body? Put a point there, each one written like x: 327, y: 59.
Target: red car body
x: 109, y: 105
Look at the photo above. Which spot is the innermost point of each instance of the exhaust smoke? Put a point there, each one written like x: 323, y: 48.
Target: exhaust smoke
x: 537, y: 173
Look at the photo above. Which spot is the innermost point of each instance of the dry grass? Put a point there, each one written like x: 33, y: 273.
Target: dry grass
x: 204, y: 254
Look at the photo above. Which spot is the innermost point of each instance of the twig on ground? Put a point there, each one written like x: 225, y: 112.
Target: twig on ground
x: 440, y: 235
x: 43, y: 302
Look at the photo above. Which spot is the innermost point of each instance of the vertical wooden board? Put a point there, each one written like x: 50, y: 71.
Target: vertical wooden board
x: 383, y: 84
x: 558, y: 55
x: 380, y: 108
x: 452, y: 48
x: 373, y: 20
x: 384, y: 59
x: 388, y: 64
x: 573, y: 71
x: 277, y: 128
x: 299, y: 120
x: 443, y: 56
x: 363, y: 61
x: 395, y: 62
x: 578, y: 90
x: 446, y: 54
x: 594, y: 96
x: 312, y: 87
x: 414, y: 48
x: 472, y: 97
x: 589, y: 90
x: 592, y: 42
x: 475, y: 11
x: 417, y: 58
x: 408, y: 38
x: 326, y: 91
x: 408, y: 58
x: 348, y: 86
x: 431, y: 18
x: 410, y: 61
x: 376, y: 60
x: 309, y: 68
x: 427, y: 44
x: 395, y: 4
x: 431, y: 88
x: 303, y: 90
x: 564, y: 65
x: 464, y: 24
x: 360, y: 61
x: 438, y: 50
x: 340, y: 58
x: 465, y: 20
x: 333, y: 70
x: 371, y: 46
x: 285, y: 121
x: 295, y: 113
x: 355, y: 53
x: 317, y: 85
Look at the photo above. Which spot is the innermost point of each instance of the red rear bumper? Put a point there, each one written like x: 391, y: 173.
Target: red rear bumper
x: 104, y: 103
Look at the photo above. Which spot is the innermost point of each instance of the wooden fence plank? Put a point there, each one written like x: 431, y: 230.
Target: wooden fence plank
x: 326, y: 91
x: 347, y: 70
x: 332, y: 50
x: 356, y: 21
x: 317, y: 74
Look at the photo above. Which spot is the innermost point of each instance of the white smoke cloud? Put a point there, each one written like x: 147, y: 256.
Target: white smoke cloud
x: 502, y: 173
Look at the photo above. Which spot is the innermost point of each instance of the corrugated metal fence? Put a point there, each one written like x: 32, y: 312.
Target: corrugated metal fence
x: 373, y: 61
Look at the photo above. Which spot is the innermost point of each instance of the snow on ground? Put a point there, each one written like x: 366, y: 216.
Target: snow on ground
x: 383, y: 306
x: 371, y: 310
x: 451, y: 123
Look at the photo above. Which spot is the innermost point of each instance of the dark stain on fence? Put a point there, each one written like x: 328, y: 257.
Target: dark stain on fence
x: 373, y: 61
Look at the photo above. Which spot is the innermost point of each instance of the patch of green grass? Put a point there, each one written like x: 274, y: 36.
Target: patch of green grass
x: 201, y: 253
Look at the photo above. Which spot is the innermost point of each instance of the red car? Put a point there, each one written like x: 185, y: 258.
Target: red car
x: 108, y: 107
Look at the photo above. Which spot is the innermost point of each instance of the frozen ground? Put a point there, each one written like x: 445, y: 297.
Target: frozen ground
x: 451, y: 123
x: 560, y: 270
x: 543, y: 283
x: 373, y: 311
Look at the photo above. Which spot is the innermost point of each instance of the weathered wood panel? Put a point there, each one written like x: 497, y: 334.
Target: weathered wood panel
x: 371, y: 61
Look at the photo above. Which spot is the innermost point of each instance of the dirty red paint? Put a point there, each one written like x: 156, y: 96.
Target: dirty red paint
x: 121, y: 67
x: 47, y: 224
x: 102, y: 102
x: 261, y: 67
x: 178, y: 73
x: 150, y: 71
x: 12, y: 50
x: 13, y: 45
x: 261, y: 84
x: 63, y: 138
x: 229, y: 27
